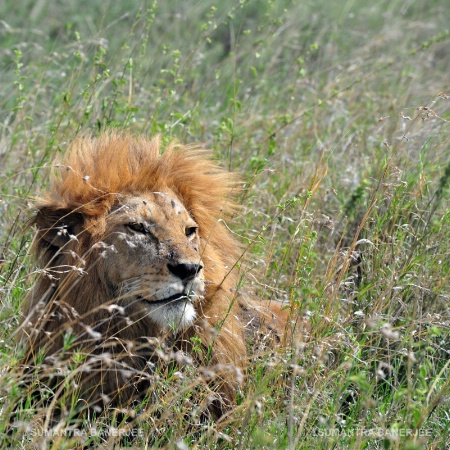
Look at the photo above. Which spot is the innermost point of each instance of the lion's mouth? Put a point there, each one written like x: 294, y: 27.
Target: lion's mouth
x: 172, y: 299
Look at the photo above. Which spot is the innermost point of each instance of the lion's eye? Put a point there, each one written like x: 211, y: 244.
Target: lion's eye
x: 190, y: 231
x: 138, y: 227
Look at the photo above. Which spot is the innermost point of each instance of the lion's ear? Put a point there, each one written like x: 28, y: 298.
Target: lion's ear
x: 58, y: 226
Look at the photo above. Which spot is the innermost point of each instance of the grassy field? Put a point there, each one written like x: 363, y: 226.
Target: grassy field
x: 336, y: 116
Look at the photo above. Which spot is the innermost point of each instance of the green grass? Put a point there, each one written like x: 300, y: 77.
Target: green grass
x: 336, y: 115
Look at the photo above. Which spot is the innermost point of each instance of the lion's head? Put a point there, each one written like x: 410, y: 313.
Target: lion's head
x: 154, y: 264
x: 132, y: 246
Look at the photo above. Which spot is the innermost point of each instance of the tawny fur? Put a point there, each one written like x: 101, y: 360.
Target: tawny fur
x: 87, y: 185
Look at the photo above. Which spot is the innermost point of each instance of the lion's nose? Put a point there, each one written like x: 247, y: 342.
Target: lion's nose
x: 185, y: 272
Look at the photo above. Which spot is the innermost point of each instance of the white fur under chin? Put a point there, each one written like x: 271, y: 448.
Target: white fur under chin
x: 173, y: 317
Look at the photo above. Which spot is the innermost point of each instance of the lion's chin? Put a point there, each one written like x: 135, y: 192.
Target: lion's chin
x: 172, y: 315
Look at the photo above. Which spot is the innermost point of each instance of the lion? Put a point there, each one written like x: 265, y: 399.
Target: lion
x: 135, y: 258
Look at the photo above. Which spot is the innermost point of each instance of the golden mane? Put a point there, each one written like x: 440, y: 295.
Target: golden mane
x: 97, y: 169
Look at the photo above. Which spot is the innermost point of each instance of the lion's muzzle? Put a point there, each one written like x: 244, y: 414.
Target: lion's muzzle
x: 185, y: 271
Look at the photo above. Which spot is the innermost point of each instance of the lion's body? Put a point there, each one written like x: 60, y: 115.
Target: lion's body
x: 134, y: 255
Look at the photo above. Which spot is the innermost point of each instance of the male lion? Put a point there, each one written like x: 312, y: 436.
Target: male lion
x: 136, y: 261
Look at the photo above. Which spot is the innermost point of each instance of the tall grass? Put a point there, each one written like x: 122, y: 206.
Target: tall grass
x: 336, y: 115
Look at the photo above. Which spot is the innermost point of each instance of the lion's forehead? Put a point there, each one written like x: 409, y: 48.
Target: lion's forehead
x: 154, y: 207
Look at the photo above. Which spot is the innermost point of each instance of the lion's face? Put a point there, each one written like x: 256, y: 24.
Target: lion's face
x: 154, y: 265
